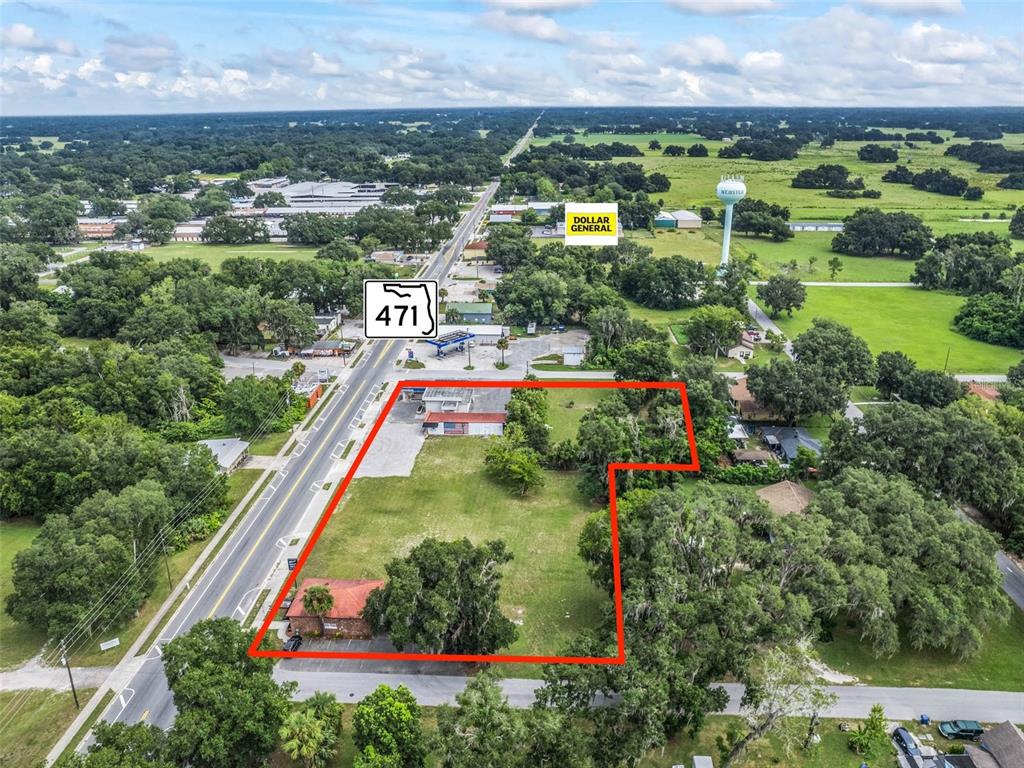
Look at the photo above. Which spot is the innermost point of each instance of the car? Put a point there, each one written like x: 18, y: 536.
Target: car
x: 293, y: 643
x: 906, y: 742
x: 961, y: 729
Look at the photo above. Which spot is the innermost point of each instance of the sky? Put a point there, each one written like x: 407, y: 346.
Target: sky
x: 166, y: 56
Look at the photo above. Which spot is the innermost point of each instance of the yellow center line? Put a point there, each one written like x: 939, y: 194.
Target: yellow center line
x: 284, y: 502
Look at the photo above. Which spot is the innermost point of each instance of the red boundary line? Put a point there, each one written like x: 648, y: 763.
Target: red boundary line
x: 619, y: 658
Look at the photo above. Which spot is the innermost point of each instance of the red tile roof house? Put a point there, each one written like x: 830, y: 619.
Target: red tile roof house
x: 344, y: 619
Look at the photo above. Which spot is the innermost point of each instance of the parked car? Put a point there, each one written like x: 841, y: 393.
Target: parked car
x: 293, y: 643
x: 906, y: 742
x: 961, y: 729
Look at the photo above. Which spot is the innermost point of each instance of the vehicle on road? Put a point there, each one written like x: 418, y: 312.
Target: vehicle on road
x: 906, y: 742
x: 961, y: 729
x: 293, y: 643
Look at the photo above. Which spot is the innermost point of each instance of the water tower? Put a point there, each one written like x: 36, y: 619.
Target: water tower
x: 730, y: 190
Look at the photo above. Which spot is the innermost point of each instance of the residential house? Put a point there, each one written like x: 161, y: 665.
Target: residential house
x: 230, y: 452
x: 786, y: 441
x: 999, y: 747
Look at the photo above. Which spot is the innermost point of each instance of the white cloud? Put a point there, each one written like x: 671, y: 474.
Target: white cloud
x: 141, y: 53
x: 702, y: 52
x: 914, y: 7
x: 538, y: 5
x: 931, y: 42
x: 761, y: 60
x: 323, y: 65
x: 722, y: 7
x: 25, y: 38
x: 526, y: 25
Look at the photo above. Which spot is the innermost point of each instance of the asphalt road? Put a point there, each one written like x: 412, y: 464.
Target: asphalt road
x: 853, y: 700
x: 229, y: 585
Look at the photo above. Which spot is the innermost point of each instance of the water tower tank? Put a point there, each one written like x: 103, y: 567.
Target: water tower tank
x: 731, y: 190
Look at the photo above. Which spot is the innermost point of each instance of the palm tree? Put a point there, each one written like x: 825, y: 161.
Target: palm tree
x: 305, y: 739
x: 318, y: 601
x: 502, y: 346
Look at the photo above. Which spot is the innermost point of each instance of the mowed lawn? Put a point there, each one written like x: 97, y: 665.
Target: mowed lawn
x: 18, y: 643
x: 999, y: 666
x: 911, y: 320
x: 567, y: 407
x: 450, y: 496
x: 805, y: 246
x: 43, y: 715
x: 214, y: 255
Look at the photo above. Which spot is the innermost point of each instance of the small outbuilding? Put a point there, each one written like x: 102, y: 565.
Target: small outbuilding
x: 573, y: 355
x: 230, y: 452
x: 344, y: 619
x: 445, y: 399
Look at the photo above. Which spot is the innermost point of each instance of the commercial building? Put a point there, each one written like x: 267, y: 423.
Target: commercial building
x: 189, y: 231
x: 474, y: 312
x: 343, y: 619
x: 98, y: 227
x: 815, y: 226
x: 464, y: 423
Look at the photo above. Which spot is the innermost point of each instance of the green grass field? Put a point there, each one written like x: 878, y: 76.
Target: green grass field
x: 694, y: 179
x: 565, y: 420
x: 771, y: 257
x: 214, y: 255
x: 448, y: 496
x: 998, y: 667
x: 17, y: 642
x: 29, y: 735
x: 916, y: 322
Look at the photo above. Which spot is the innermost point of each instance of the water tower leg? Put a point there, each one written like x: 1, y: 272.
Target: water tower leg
x: 727, y: 224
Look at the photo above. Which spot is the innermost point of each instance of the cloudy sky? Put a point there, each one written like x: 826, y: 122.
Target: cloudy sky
x: 86, y: 57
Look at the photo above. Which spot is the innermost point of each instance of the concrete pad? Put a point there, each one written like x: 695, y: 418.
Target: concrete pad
x: 393, y: 451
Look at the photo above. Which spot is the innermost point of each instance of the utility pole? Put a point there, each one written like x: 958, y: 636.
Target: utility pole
x: 167, y: 565
x: 67, y: 666
x: 945, y: 365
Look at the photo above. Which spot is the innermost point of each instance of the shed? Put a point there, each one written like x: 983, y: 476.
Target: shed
x: 230, y: 452
x: 573, y: 355
x: 344, y: 619
x: 753, y: 456
x: 665, y: 220
x: 786, y: 497
x: 464, y: 423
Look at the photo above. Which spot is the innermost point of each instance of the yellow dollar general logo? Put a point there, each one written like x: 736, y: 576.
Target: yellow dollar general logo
x: 591, y: 223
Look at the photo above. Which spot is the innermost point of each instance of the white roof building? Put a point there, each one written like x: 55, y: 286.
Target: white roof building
x: 229, y: 452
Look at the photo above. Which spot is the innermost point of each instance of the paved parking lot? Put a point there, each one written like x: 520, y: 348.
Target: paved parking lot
x: 364, y: 665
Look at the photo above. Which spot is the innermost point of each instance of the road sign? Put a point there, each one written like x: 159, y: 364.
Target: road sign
x: 292, y: 562
x: 106, y: 646
x: 400, y: 309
